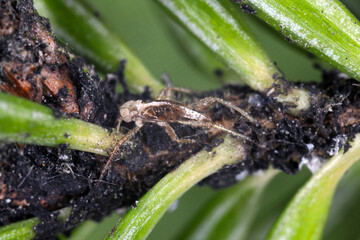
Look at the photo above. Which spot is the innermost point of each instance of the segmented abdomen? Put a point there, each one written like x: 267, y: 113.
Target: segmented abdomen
x: 162, y: 112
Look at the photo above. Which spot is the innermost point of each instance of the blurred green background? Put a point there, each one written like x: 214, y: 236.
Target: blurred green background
x: 141, y: 25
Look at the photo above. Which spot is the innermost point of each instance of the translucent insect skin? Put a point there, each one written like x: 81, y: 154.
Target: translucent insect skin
x: 164, y: 111
x: 158, y: 111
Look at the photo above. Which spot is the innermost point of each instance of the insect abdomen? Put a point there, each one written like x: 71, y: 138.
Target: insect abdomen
x: 162, y: 112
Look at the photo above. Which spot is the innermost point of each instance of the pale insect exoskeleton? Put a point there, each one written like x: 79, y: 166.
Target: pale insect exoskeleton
x: 164, y: 111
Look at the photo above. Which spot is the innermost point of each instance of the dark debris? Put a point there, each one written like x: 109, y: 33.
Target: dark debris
x: 37, y: 180
x: 248, y: 9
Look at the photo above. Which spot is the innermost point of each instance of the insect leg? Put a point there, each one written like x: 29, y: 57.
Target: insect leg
x: 123, y: 140
x: 166, y: 79
x: 118, y: 124
x: 165, y: 94
x: 208, y: 101
x: 170, y: 131
x: 220, y: 127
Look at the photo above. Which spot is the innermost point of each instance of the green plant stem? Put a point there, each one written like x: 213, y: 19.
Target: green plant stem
x: 23, y: 121
x: 306, y: 214
x: 24, y: 230
x: 230, y: 214
x: 218, y: 25
x: 139, y: 221
x: 323, y: 27
x: 79, y: 27
x: 203, y: 58
x: 220, y: 28
x: 344, y: 214
x: 91, y: 229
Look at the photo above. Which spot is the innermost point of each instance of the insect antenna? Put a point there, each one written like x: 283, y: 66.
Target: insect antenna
x: 221, y: 128
x: 287, y: 142
x: 239, y: 135
x: 123, y: 140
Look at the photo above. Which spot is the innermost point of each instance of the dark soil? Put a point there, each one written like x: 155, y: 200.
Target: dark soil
x: 36, y: 180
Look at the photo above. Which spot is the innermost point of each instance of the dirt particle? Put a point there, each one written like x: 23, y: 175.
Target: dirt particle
x: 248, y: 9
x: 67, y: 135
x: 218, y: 72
